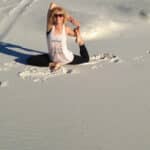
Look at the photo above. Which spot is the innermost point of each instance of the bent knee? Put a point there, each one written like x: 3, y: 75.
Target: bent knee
x: 86, y: 60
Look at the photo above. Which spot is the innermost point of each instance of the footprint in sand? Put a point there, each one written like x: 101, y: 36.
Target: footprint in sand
x: 138, y: 59
x: 3, y: 84
x: 8, y: 65
x: 148, y: 51
x: 37, y: 74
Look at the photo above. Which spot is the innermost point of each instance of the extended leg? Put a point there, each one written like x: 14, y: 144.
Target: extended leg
x: 39, y: 60
x: 84, y: 56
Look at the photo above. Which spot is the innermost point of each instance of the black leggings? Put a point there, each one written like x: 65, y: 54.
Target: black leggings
x: 83, y: 58
x: 43, y: 59
x: 39, y: 60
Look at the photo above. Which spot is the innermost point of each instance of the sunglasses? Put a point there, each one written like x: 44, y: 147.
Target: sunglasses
x: 58, y: 15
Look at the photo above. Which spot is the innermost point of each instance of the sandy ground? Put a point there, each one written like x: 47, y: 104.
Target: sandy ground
x: 103, y: 105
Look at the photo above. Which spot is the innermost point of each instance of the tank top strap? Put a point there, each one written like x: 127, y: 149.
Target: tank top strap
x: 64, y: 30
x: 53, y: 29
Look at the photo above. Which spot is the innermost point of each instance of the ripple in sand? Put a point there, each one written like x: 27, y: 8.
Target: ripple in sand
x: 37, y: 74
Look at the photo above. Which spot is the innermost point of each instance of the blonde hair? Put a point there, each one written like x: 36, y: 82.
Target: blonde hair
x: 52, y: 13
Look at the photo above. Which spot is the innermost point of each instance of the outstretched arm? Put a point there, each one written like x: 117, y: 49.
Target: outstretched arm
x: 76, y: 23
x: 71, y: 32
x: 51, y: 6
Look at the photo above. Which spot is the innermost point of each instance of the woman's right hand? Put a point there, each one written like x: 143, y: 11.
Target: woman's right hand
x: 52, y: 5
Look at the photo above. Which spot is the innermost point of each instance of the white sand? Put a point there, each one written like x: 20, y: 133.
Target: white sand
x: 101, y: 105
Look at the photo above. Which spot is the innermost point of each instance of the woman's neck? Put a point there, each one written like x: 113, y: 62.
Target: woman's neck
x: 58, y: 28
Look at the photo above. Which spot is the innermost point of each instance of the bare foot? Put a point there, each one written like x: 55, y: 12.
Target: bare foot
x: 79, y: 39
x: 54, y: 66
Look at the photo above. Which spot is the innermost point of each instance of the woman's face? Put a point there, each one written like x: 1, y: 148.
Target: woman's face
x: 59, y: 17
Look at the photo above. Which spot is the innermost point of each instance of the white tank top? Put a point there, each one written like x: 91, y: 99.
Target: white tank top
x: 57, y: 47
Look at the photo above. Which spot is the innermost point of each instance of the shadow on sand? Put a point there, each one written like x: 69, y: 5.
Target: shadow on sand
x: 41, y: 59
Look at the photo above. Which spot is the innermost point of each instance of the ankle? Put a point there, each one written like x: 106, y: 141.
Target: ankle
x: 81, y: 42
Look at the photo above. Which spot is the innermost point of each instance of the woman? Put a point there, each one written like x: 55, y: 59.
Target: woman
x: 57, y: 32
x: 57, y: 40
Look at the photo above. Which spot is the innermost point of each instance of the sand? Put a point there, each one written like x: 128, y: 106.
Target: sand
x: 101, y: 105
